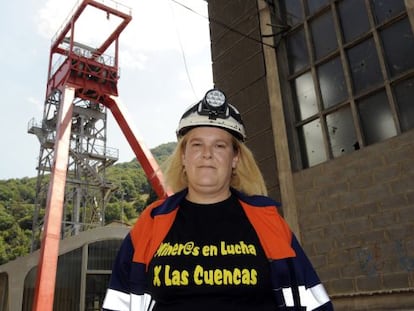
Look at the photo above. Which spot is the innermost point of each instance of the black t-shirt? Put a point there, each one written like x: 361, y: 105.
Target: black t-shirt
x: 211, y: 259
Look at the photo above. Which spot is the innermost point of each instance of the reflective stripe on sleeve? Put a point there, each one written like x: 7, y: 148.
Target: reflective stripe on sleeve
x: 288, y: 295
x: 141, y: 302
x: 310, y: 298
x: 116, y: 300
x: 120, y: 301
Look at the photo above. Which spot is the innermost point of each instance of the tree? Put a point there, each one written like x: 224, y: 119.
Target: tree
x: 17, y: 198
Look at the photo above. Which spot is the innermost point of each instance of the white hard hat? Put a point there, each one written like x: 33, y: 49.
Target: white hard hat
x: 213, y: 110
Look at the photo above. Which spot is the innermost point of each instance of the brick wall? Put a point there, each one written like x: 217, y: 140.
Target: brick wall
x: 239, y: 70
x: 356, y: 215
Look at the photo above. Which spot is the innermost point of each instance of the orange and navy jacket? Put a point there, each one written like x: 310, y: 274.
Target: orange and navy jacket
x: 296, y: 285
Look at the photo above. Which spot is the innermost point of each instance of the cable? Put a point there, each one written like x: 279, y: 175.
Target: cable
x: 183, y: 53
x: 224, y: 25
x: 221, y: 24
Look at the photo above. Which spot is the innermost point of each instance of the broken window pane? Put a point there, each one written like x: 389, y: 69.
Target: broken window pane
x: 386, y: 9
x: 323, y: 34
x: 398, y: 45
x: 404, y: 93
x: 297, y: 51
x: 305, y: 96
x: 364, y: 65
x: 313, y: 149
x: 376, y: 118
x: 354, y: 19
x: 332, y: 83
x: 341, y: 131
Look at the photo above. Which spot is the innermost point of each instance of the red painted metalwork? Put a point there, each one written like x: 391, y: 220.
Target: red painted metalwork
x: 83, y: 66
x: 46, y: 271
x: 82, y: 73
x: 147, y: 161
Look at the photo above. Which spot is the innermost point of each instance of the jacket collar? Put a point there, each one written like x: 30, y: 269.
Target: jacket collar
x: 173, y: 201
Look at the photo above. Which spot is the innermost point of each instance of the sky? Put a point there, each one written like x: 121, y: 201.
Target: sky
x: 165, y: 66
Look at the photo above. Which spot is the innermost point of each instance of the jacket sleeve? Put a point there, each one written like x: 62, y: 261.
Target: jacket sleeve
x: 127, y: 284
x: 305, y: 290
x: 126, y: 290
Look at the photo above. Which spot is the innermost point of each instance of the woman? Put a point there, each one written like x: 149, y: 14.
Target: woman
x: 218, y: 243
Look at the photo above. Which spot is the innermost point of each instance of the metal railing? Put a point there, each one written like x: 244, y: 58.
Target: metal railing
x: 110, y: 3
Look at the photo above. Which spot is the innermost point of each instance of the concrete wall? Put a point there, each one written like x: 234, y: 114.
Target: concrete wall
x: 354, y: 215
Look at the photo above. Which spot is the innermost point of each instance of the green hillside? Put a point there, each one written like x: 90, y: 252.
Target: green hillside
x: 17, y: 198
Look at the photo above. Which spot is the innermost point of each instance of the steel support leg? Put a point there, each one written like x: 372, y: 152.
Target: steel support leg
x: 49, y: 251
x: 143, y: 154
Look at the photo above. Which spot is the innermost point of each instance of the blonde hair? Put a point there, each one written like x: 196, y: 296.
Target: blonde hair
x: 246, y: 176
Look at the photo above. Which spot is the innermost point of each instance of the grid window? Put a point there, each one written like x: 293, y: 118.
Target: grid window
x: 350, y: 70
x: 354, y: 19
x: 376, y: 118
x: 101, y: 257
x: 364, y: 65
x: 305, y: 96
x: 398, y: 43
x: 315, y: 5
x: 404, y: 96
x: 298, y: 54
x: 332, y: 83
x: 386, y: 9
x: 342, y: 137
x: 323, y: 34
x: 78, y: 286
x: 96, y: 286
x: 101, y: 254
x: 312, y: 143
x: 293, y: 11
x: 68, y: 276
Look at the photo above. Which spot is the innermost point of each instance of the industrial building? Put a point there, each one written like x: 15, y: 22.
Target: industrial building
x: 326, y: 90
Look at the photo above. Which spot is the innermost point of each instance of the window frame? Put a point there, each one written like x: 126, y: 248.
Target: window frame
x: 293, y: 123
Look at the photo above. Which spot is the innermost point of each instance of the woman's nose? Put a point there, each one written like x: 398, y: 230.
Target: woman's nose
x: 206, y: 153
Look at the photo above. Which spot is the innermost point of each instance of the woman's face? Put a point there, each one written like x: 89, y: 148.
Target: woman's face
x: 209, y: 159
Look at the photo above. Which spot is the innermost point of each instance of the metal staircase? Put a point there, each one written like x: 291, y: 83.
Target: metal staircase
x: 87, y: 189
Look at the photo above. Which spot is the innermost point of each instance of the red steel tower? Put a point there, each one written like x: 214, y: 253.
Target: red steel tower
x: 82, y: 84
